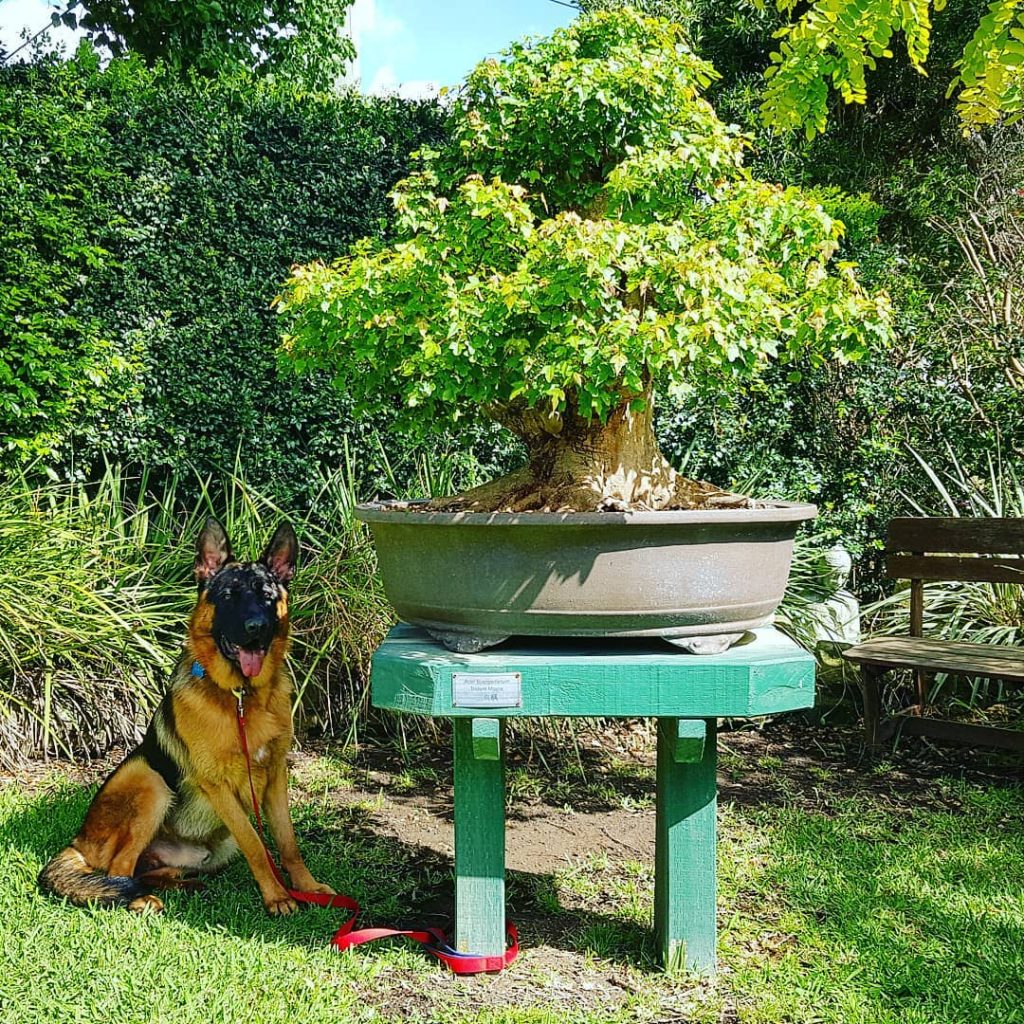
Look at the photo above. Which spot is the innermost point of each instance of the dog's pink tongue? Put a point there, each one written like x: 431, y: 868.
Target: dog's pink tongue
x: 250, y: 662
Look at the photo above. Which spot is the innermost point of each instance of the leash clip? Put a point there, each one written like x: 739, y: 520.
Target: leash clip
x: 240, y: 697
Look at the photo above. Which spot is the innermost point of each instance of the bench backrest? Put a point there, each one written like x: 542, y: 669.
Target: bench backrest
x: 933, y: 549
x: 968, y: 549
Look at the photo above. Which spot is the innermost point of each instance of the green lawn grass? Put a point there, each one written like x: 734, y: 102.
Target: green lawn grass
x: 832, y: 909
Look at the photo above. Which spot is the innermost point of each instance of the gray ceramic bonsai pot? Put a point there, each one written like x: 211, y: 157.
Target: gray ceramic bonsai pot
x: 700, y: 579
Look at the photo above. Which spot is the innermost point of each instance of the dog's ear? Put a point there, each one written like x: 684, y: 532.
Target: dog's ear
x: 282, y: 553
x: 213, y: 549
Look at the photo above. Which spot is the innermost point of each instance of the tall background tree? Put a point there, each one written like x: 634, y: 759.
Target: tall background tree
x: 828, y: 48
x: 899, y: 172
x: 299, y: 41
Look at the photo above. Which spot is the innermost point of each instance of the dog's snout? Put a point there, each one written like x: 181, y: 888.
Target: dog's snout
x: 255, y: 625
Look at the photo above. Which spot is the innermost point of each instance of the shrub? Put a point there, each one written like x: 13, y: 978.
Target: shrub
x: 60, y: 362
x: 95, y: 591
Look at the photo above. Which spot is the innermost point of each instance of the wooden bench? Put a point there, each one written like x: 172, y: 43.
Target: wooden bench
x: 962, y: 550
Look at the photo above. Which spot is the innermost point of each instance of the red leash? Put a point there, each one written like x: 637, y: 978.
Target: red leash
x: 432, y: 939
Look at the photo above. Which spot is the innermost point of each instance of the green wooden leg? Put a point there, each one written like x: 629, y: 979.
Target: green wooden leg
x: 480, y: 836
x: 684, y: 861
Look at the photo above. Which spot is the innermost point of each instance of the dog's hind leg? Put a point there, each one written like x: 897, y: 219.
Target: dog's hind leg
x: 151, y: 799
x: 121, y: 822
x: 124, y: 818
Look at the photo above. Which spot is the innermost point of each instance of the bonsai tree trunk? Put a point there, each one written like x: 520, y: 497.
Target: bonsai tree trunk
x: 578, y: 464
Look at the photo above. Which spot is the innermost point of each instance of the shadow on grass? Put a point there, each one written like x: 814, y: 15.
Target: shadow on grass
x: 880, y: 910
x: 557, y: 772
x: 397, y: 884
x: 785, y: 761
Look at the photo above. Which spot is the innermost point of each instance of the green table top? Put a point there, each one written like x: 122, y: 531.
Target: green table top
x: 582, y: 677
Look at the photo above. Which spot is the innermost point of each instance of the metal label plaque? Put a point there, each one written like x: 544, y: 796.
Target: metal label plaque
x: 487, y: 689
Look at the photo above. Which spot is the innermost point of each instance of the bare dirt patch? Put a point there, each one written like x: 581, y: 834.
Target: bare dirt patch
x: 598, y: 797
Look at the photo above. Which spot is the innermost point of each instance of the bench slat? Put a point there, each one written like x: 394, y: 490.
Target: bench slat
x: 993, y: 661
x: 950, y: 567
x: 957, y: 732
x: 969, y: 535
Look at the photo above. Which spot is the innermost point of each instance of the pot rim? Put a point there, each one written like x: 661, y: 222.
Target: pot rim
x: 407, y: 513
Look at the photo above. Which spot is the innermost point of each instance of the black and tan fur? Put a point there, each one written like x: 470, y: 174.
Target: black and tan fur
x: 179, y: 803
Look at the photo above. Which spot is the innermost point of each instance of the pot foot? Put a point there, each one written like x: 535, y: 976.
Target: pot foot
x: 466, y: 643
x: 705, y: 644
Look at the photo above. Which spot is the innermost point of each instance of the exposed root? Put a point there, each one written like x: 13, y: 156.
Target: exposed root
x: 501, y: 495
x: 520, y: 491
x: 699, y: 494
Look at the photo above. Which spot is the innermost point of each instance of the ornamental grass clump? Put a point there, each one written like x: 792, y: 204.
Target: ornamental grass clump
x: 587, y: 237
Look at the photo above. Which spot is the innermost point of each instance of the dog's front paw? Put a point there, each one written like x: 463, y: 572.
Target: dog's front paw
x: 315, y: 886
x: 305, y: 882
x: 280, y: 904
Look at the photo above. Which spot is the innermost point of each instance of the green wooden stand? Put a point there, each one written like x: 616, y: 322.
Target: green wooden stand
x: 687, y: 693
x: 479, y: 818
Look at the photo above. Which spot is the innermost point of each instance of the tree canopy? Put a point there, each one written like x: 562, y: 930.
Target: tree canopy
x: 302, y: 41
x: 588, y: 231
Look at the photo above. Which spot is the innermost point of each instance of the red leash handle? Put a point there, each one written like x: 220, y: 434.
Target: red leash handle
x: 434, y: 942
x: 432, y: 939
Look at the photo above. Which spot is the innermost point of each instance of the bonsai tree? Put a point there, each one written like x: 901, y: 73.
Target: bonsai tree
x: 587, y: 237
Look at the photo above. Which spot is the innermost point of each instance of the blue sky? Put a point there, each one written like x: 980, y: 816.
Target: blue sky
x: 408, y: 46
x: 422, y: 43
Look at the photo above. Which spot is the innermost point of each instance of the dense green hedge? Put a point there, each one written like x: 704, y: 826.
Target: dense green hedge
x: 145, y: 223
x: 58, y: 224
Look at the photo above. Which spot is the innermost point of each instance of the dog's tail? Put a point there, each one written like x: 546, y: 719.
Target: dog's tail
x: 69, y: 875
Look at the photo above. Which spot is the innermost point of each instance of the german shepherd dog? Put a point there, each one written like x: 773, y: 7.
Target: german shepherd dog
x: 179, y: 802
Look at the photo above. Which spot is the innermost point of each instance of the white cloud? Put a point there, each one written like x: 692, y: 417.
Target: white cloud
x: 375, y: 29
x: 366, y: 18
x: 385, y: 83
